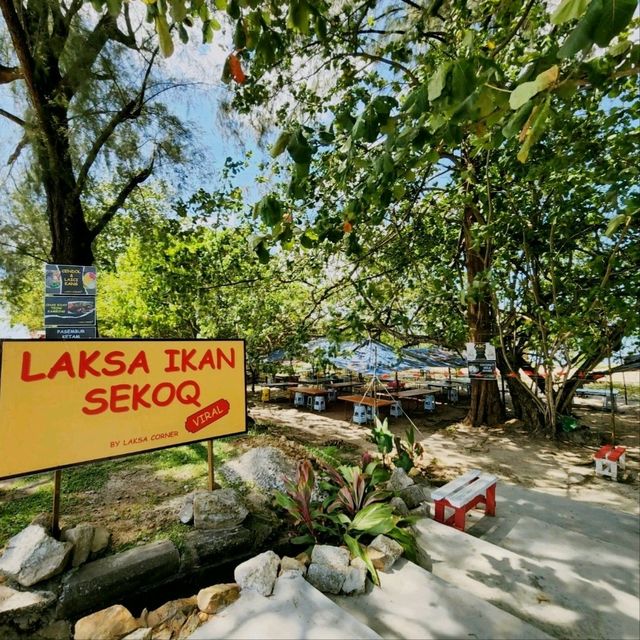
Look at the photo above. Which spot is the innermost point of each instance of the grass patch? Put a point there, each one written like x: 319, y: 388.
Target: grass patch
x: 335, y: 456
x: 19, y: 510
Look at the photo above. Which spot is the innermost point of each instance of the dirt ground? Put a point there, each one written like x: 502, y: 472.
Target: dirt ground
x: 508, y: 451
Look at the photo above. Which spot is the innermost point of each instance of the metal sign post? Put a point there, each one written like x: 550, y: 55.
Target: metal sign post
x: 212, y: 484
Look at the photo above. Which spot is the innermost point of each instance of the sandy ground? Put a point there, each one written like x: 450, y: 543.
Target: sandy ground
x: 560, y: 468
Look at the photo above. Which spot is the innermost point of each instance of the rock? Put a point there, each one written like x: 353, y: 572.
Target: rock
x: 203, y: 617
x: 43, y: 520
x: 399, y: 480
x: 326, y: 578
x: 263, y: 467
x: 101, y: 540
x: 413, y: 496
x: 81, y: 537
x: 208, y: 547
x: 191, y: 624
x: 221, y: 509
x: 355, y: 580
x: 514, y: 423
x: 114, y: 622
x: 186, y: 512
x: 305, y: 558
x: 423, y: 510
x: 115, y: 577
x: 161, y: 633
x: 217, y: 597
x: 143, y: 633
x: 169, y: 610
x: 259, y: 573
x: 33, y: 555
x: 14, y: 603
x: 294, y: 565
x: 359, y: 562
x: 331, y: 556
x: 58, y: 630
x: 388, y: 551
x: 142, y: 618
x: 399, y: 507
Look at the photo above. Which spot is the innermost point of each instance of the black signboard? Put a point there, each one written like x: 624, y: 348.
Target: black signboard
x: 70, y: 333
x: 69, y: 311
x: 69, y: 279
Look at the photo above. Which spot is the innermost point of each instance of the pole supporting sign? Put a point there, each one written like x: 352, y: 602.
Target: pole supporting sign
x: 65, y: 403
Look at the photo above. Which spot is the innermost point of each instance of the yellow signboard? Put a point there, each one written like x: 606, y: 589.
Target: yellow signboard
x: 63, y: 403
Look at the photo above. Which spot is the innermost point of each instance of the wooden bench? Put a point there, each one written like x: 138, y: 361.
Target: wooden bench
x: 608, y: 459
x: 462, y: 495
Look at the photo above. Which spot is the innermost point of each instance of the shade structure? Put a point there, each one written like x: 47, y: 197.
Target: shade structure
x: 435, y: 357
x: 373, y: 358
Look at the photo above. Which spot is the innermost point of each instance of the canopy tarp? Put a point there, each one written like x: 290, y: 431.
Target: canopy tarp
x: 435, y: 357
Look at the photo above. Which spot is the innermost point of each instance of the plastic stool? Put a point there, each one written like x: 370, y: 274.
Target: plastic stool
x: 453, y: 395
x: 309, y: 402
x: 332, y: 395
x: 370, y: 413
x: 359, y: 414
x: 429, y: 403
x: 319, y: 403
x: 266, y: 394
x: 298, y: 399
x: 395, y: 409
x: 609, y: 459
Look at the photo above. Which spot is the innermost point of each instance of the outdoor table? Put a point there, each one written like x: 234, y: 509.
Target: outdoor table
x: 376, y: 403
x: 308, y: 391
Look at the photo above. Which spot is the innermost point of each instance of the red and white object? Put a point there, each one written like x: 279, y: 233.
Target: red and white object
x: 609, y: 459
x: 463, y: 494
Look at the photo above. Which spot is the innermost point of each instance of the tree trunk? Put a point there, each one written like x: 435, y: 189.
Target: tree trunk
x: 70, y: 235
x: 486, y: 406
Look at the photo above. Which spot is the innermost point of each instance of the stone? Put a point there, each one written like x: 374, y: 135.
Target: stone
x: 58, y: 630
x: 209, y: 547
x: 101, y: 540
x: 191, y: 624
x: 221, y: 509
x: 305, y: 558
x: 399, y: 480
x: 33, y: 555
x: 389, y: 551
x: 115, y: 622
x: 413, y: 496
x: 331, y: 556
x: 203, y: 617
x: 294, y: 565
x: 218, y: 596
x: 186, y: 511
x: 263, y: 467
x: 14, y: 603
x: 161, y: 633
x: 130, y: 573
x: 143, y: 633
x: 399, y: 507
x: 355, y: 580
x: 326, y: 578
x: 81, y: 537
x: 169, y: 609
x: 359, y: 562
x: 142, y: 618
x: 423, y: 510
x: 259, y: 573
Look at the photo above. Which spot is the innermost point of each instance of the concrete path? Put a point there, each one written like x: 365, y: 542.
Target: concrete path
x: 296, y: 610
x: 413, y: 603
x: 554, y: 598
x: 613, y: 527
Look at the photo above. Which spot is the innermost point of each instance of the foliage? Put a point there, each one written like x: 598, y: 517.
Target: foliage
x: 408, y: 451
x: 354, y: 509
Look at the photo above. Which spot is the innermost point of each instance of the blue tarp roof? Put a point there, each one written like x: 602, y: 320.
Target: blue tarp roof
x: 374, y: 357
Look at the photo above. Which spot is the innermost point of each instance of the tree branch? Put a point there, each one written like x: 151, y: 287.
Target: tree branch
x: 125, y: 192
x: 515, y: 30
x: 12, y: 117
x: 9, y: 74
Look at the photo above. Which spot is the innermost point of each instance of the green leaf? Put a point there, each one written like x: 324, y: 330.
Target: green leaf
x: 375, y: 519
x: 518, y: 119
x: 233, y: 9
x: 582, y: 37
x: 178, y: 10
x: 535, y: 131
x: 221, y: 4
x: 298, y: 16
x: 614, y: 17
x: 524, y: 92
x: 299, y: 148
x: 306, y: 539
x: 114, y: 7
x: 569, y: 10
x: 280, y: 144
x: 438, y: 80
x: 358, y: 551
x: 614, y: 223
x: 164, y: 37
x: 239, y: 35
